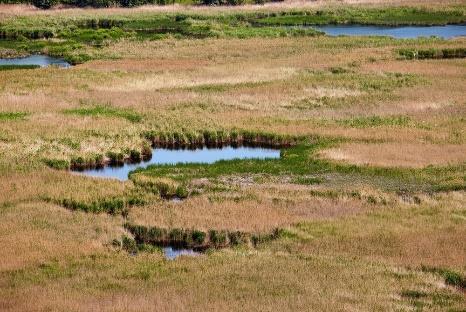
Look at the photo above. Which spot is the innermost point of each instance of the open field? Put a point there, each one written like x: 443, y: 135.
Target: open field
x: 364, y: 211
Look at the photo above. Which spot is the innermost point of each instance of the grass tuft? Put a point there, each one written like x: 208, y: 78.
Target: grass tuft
x: 105, y: 111
x: 12, y: 116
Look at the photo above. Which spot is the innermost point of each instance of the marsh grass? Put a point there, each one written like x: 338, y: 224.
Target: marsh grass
x: 355, y: 241
x: 451, y: 277
x: 377, y: 121
x: 197, y: 239
x: 14, y: 67
x: 420, y: 54
x: 112, y: 206
x: 365, y: 16
x: 5, y: 116
x: 105, y: 111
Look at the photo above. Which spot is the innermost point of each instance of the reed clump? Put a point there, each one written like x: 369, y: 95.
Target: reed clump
x: 80, y: 163
x: 218, y: 138
x: 113, y: 206
x: 13, y: 67
x: 111, y: 158
x: 423, y: 54
x: 59, y: 164
x: 195, y: 238
x: 165, y: 187
x: 12, y: 116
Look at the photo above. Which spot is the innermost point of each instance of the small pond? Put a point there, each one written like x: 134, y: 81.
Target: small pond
x: 40, y: 60
x: 172, y: 253
x: 205, y: 155
x: 400, y: 32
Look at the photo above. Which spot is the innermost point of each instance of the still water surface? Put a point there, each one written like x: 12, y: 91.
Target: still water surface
x: 41, y: 60
x: 163, y: 156
x: 400, y: 32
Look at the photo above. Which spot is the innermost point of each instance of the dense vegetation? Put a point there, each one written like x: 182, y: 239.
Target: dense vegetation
x: 73, y: 35
x: 421, y: 54
x: 47, y: 4
x: 196, y: 239
x: 12, y: 67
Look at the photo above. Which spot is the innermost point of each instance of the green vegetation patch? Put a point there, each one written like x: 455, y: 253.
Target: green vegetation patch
x: 300, y: 161
x: 13, y: 67
x: 451, y: 277
x: 197, y: 239
x: 367, y: 16
x: 12, y: 116
x: 113, y: 206
x: 72, y: 35
x: 105, y: 111
x: 419, y: 54
x: 377, y: 121
x: 60, y: 164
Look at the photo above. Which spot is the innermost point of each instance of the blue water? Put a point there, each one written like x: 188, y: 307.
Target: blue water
x: 401, y: 32
x: 163, y: 156
x: 171, y: 253
x: 41, y: 60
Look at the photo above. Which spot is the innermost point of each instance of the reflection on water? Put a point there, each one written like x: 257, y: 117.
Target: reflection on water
x: 40, y: 60
x: 401, y: 32
x: 163, y: 156
x: 172, y: 253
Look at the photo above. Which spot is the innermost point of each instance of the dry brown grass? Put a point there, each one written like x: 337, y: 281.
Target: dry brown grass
x: 339, y: 253
x: 407, y: 235
x: 35, y: 232
x: 398, y: 154
x: 260, y: 215
x: 207, y: 83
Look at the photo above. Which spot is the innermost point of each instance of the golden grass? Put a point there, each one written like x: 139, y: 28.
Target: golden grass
x: 35, y: 232
x: 361, y: 262
x: 409, y: 235
x: 281, y: 85
x: 263, y: 214
x: 398, y: 154
x: 338, y: 253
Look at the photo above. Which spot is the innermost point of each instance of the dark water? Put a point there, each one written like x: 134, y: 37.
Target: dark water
x: 163, y: 156
x: 41, y: 60
x: 401, y: 32
x: 171, y: 253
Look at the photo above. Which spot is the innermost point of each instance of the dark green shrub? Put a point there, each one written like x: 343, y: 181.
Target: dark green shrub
x: 218, y: 238
x: 116, y: 159
x: 135, y: 156
x: 59, y: 164
x: 129, y: 244
x: 78, y: 163
x: 146, y: 152
x: 157, y: 235
x: 454, y: 279
x: 177, y: 235
x: 44, y: 4
x: 238, y: 238
x: 181, y: 192
x: 451, y: 277
x: 198, y: 237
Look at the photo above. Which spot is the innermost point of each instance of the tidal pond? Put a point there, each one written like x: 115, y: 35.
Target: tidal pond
x: 39, y: 60
x: 205, y: 155
x: 399, y: 32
